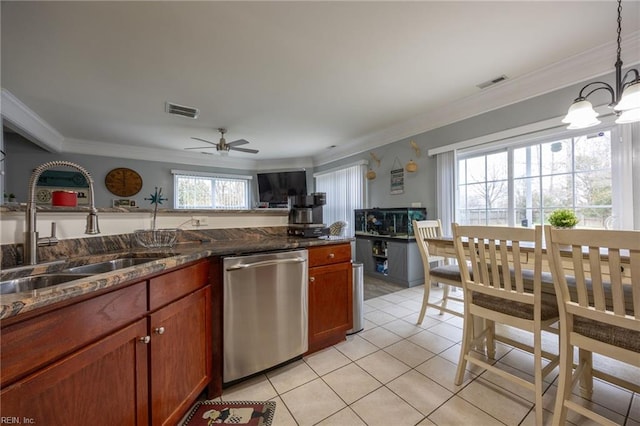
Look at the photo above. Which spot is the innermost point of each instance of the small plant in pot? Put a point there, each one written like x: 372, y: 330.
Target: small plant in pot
x: 563, y: 218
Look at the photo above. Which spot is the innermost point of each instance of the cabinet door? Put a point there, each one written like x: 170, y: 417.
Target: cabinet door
x: 364, y: 254
x: 104, y: 383
x: 397, y: 255
x: 180, y: 366
x: 330, y: 304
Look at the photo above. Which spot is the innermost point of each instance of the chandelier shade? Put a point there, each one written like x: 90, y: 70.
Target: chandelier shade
x: 630, y: 116
x: 630, y: 97
x: 625, y: 96
x: 581, y: 114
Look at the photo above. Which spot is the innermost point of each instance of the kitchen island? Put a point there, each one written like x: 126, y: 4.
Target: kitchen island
x: 155, y: 327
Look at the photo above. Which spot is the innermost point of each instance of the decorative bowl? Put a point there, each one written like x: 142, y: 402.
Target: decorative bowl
x: 154, y: 238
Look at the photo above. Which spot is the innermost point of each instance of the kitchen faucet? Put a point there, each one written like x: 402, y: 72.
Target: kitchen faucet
x: 31, y: 240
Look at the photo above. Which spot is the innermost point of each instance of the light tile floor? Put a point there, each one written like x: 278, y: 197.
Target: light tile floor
x: 395, y: 372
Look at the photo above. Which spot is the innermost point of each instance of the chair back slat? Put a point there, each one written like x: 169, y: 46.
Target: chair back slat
x: 495, y: 256
x: 427, y: 229
x: 581, y: 286
x: 517, y: 266
x: 617, y: 292
x: 606, y: 270
x: 634, y: 266
x: 596, y: 278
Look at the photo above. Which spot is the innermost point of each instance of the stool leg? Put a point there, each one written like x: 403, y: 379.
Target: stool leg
x: 445, y: 297
x: 425, y: 300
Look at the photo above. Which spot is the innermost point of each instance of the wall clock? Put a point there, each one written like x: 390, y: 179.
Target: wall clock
x: 123, y: 182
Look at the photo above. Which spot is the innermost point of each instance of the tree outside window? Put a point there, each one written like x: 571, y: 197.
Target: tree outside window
x: 572, y: 173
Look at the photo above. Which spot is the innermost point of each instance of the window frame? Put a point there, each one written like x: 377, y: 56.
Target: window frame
x: 618, y: 203
x: 213, y: 177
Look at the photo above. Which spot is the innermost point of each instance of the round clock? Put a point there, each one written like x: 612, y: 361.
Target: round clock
x: 123, y: 182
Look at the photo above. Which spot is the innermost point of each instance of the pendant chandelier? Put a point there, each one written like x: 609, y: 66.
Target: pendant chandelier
x: 625, y: 96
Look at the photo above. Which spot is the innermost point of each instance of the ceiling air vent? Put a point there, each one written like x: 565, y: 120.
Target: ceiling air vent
x: 181, y: 110
x: 492, y: 82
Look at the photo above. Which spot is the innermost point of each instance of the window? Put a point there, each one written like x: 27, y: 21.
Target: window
x: 523, y: 184
x: 194, y: 190
x: 346, y: 191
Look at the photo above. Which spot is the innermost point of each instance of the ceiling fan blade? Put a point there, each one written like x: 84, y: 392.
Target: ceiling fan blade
x: 202, y: 147
x: 238, y: 142
x: 249, y: 150
x: 204, y: 140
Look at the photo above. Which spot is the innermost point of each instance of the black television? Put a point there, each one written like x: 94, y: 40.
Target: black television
x: 276, y: 187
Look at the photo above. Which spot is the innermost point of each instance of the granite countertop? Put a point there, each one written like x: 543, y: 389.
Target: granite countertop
x: 21, y: 208
x: 18, y: 303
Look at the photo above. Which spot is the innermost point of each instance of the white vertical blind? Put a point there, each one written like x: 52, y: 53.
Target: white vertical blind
x: 446, y: 189
x: 346, y: 190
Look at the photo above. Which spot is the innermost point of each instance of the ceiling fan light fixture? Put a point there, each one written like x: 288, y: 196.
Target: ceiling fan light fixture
x: 223, y: 147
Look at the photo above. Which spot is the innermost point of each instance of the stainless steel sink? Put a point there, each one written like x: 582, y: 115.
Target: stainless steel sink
x: 35, y: 282
x: 109, y: 265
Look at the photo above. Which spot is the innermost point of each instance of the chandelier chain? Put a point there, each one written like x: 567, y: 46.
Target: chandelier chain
x: 619, y: 28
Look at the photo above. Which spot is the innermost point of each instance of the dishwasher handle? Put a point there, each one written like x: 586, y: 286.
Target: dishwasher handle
x: 266, y: 263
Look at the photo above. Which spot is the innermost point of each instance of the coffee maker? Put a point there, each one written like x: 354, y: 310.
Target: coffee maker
x: 305, y: 215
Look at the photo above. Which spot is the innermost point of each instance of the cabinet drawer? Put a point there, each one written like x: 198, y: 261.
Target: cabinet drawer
x: 171, y: 286
x: 33, y: 343
x: 329, y: 254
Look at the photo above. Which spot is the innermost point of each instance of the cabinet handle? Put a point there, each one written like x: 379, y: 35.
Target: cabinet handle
x: 312, y: 279
x: 331, y: 255
x: 145, y: 339
x: 159, y: 330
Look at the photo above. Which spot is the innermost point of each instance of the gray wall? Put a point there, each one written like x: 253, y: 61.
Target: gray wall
x: 24, y: 156
x: 421, y: 186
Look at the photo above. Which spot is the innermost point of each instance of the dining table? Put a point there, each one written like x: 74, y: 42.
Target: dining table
x: 444, y: 246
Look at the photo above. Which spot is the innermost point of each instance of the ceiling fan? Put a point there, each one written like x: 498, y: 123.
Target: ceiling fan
x: 225, y: 146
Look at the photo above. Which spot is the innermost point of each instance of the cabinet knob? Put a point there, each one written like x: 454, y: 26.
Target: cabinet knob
x: 145, y: 339
x: 331, y: 255
x: 312, y: 279
x: 159, y: 330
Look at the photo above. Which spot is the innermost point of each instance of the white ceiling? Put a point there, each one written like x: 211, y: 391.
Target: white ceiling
x: 293, y: 78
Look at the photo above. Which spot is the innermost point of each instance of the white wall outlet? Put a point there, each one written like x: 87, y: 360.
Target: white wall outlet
x: 418, y: 204
x: 198, y: 221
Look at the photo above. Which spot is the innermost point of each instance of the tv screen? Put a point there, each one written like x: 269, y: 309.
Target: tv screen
x: 275, y: 187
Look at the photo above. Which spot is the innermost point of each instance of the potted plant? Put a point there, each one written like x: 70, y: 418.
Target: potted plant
x: 563, y: 218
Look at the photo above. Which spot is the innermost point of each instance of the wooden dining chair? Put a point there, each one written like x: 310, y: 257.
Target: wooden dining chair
x: 447, y: 274
x: 599, y: 308
x: 500, y: 289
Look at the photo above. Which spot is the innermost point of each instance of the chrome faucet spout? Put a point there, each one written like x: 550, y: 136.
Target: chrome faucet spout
x: 31, y: 233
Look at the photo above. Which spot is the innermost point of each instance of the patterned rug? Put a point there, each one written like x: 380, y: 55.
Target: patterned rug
x: 253, y: 413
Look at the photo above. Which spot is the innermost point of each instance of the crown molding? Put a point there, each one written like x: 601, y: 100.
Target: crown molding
x: 21, y: 119
x: 106, y: 149
x: 567, y: 72
x: 570, y: 71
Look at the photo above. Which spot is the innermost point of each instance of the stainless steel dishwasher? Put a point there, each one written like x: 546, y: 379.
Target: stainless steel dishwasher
x: 265, y: 311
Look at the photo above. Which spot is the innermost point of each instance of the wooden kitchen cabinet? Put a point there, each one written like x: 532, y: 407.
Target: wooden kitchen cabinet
x: 330, y: 295
x: 138, y: 355
x: 180, y: 366
x: 104, y: 383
